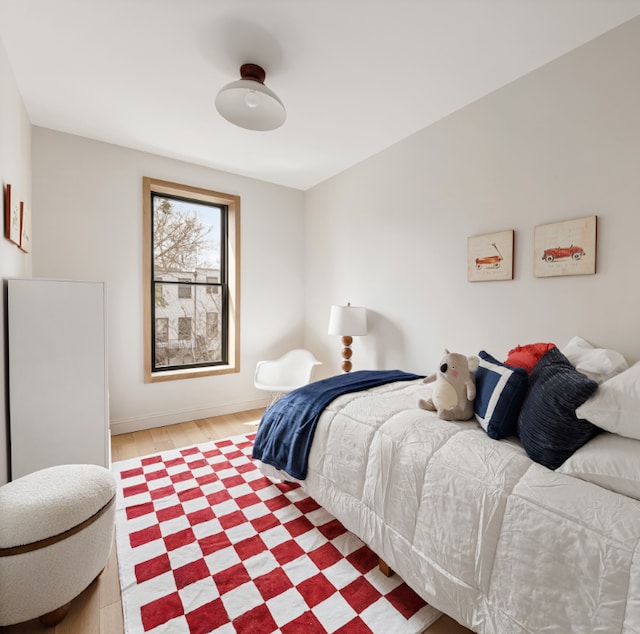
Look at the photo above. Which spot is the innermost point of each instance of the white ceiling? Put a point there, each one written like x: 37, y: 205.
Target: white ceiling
x: 355, y: 75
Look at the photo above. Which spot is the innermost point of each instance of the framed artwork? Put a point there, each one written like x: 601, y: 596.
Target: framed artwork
x: 12, y: 226
x: 565, y: 248
x: 25, y: 228
x: 490, y: 257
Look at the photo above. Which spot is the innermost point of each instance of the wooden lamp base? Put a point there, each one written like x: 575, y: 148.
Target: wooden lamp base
x: 347, y: 340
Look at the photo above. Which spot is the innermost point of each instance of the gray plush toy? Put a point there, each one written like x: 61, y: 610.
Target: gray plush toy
x: 454, y: 389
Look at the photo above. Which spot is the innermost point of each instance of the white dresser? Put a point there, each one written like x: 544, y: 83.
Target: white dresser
x: 58, y: 374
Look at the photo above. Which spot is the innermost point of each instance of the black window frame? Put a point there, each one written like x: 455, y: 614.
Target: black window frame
x: 221, y: 287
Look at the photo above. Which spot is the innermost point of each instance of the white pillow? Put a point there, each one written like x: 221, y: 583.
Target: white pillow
x: 615, y: 405
x: 598, y: 364
x: 610, y: 461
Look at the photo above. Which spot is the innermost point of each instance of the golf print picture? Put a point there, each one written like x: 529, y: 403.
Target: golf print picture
x: 490, y: 257
x: 566, y: 248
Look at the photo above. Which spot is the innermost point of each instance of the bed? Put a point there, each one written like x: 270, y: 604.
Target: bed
x: 479, y: 529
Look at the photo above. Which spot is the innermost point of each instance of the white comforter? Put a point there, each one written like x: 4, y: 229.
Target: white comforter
x: 501, y: 544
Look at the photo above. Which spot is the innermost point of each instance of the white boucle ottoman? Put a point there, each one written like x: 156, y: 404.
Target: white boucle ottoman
x: 56, y: 532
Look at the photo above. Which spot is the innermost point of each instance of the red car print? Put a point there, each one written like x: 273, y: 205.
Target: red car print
x: 575, y: 253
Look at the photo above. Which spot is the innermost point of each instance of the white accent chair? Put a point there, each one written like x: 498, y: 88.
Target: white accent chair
x: 56, y: 534
x: 283, y: 375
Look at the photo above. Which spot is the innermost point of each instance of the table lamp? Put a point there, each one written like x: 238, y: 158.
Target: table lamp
x: 348, y: 322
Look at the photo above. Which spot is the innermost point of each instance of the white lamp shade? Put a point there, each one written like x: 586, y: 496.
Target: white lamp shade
x: 348, y: 320
x: 251, y: 105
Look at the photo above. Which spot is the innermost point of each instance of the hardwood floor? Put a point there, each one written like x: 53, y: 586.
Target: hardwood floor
x: 98, y: 610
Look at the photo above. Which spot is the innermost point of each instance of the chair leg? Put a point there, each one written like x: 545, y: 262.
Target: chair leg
x: 54, y: 617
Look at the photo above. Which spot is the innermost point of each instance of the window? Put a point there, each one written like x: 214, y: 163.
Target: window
x: 162, y: 330
x: 212, y: 325
x: 184, y: 328
x: 184, y: 290
x: 191, y: 281
x: 214, y: 288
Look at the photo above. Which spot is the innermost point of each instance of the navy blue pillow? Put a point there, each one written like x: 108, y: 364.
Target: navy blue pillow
x: 500, y: 391
x: 548, y: 426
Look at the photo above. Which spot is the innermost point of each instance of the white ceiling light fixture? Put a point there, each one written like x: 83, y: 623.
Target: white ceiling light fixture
x: 249, y: 104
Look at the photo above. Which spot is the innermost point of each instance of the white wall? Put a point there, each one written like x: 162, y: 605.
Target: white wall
x: 88, y: 197
x: 391, y: 233
x: 15, y: 169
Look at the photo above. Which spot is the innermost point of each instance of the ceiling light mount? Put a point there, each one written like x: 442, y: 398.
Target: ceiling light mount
x: 248, y: 103
x: 252, y: 72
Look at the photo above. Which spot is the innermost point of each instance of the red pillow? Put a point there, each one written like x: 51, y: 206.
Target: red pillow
x: 527, y: 356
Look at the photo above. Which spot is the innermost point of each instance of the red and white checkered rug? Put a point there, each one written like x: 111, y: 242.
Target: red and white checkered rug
x: 206, y: 543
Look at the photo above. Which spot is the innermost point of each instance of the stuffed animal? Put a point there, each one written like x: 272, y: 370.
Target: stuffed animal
x: 454, y: 389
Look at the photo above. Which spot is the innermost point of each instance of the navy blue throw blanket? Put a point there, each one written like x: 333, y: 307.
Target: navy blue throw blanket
x: 286, y: 430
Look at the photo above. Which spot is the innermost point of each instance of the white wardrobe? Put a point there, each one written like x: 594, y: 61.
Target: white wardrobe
x: 58, y: 375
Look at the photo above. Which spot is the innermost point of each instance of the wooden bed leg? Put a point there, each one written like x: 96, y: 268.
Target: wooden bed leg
x: 384, y: 567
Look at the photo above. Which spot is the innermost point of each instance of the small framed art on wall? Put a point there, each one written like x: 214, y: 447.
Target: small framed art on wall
x: 25, y: 231
x: 565, y: 248
x: 490, y: 257
x: 12, y: 219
